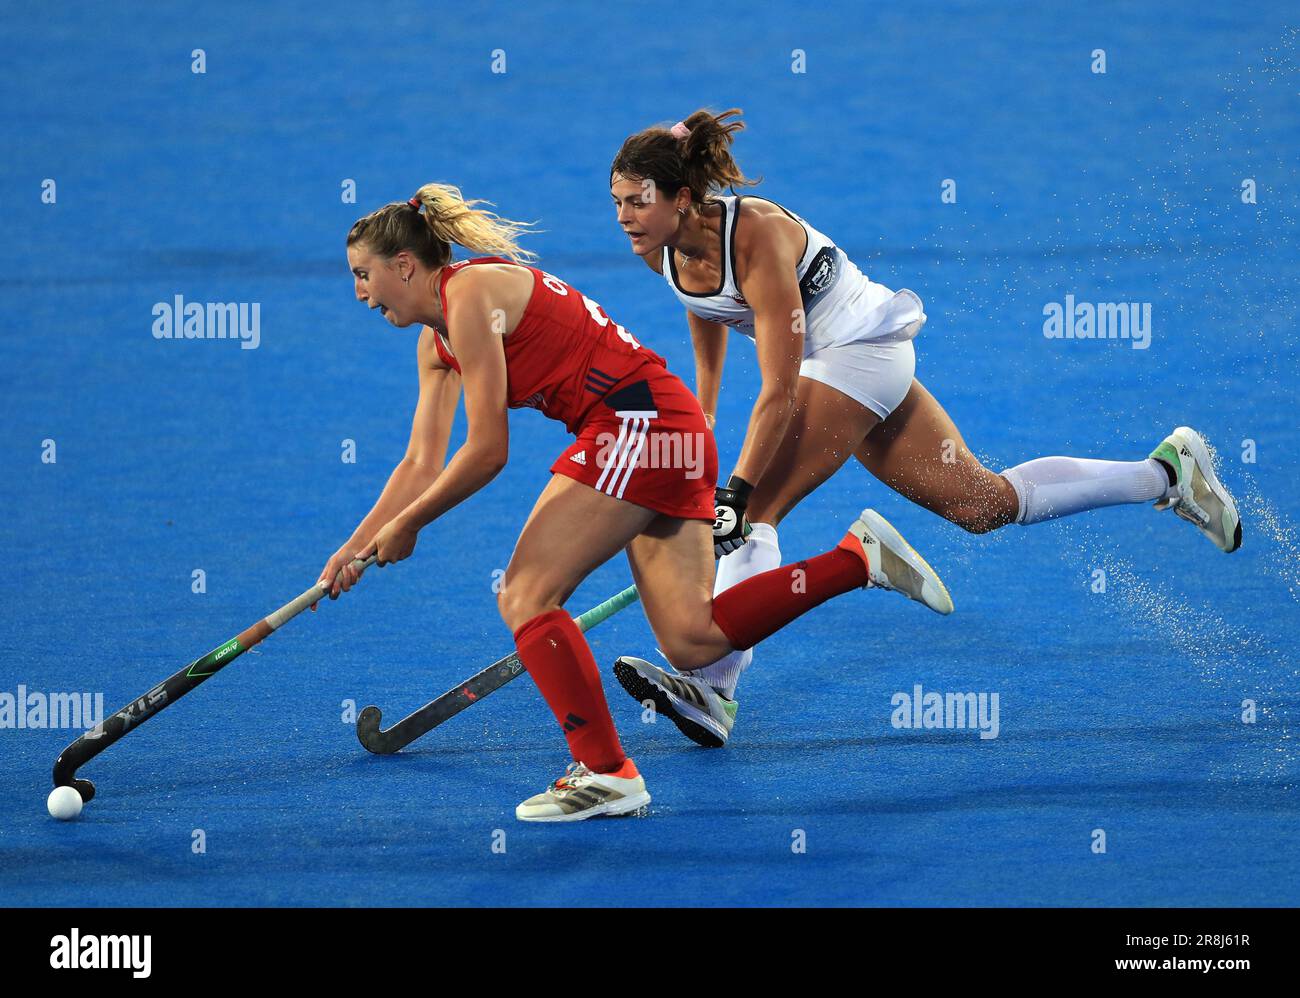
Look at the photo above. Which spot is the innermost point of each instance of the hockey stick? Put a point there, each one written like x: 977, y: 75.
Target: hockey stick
x: 479, y: 685
x: 172, y: 689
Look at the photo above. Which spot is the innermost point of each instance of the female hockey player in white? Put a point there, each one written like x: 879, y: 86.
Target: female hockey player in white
x: 835, y: 353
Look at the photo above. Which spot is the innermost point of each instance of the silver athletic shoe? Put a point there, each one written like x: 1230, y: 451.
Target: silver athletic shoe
x: 892, y: 564
x: 700, y: 712
x: 580, y: 794
x: 1202, y: 499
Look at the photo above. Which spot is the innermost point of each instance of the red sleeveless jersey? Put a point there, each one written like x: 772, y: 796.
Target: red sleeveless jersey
x: 565, y: 354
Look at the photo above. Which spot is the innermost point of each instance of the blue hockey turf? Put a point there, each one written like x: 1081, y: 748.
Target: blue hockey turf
x: 1147, y: 684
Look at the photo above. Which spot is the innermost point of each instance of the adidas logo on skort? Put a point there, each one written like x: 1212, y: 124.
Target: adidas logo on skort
x: 579, y: 458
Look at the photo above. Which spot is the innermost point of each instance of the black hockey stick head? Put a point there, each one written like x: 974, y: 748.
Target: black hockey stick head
x: 368, y: 733
x: 65, y: 771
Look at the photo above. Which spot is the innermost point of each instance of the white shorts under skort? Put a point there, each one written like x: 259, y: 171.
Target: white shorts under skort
x: 875, y: 374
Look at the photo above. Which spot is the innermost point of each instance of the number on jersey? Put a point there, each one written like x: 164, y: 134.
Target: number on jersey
x: 597, y: 313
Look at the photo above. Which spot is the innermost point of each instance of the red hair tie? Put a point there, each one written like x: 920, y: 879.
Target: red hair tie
x: 414, y: 203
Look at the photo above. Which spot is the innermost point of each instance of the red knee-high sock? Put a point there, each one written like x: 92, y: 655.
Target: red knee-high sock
x: 759, y: 607
x: 559, y: 659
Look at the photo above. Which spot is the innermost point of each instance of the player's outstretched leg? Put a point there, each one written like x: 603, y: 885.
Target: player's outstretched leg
x: 695, y: 630
x: 871, y: 555
x: 1197, y: 494
x: 920, y: 453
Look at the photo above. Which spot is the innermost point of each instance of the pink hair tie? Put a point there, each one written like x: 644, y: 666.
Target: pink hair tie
x: 679, y: 130
x: 414, y: 203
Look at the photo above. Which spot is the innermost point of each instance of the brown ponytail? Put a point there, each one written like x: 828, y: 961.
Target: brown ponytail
x: 701, y: 161
x: 447, y: 218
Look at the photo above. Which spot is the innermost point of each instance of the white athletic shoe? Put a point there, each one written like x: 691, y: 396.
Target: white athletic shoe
x: 892, y: 564
x: 581, y: 794
x: 1202, y: 498
x: 700, y: 712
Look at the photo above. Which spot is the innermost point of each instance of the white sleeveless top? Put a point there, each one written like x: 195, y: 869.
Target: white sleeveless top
x: 840, y: 304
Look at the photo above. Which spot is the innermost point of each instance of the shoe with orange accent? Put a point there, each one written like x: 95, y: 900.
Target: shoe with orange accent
x: 580, y: 794
x: 892, y: 564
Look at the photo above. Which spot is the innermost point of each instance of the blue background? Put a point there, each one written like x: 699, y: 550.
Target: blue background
x: 1119, y: 710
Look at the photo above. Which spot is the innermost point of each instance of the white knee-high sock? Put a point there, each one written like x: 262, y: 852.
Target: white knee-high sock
x: 759, y: 554
x: 1050, y: 487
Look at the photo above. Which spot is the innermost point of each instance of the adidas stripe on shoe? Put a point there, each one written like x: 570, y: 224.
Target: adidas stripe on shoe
x: 580, y: 794
x: 700, y: 712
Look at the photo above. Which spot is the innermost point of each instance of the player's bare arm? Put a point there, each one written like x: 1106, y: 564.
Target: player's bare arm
x: 710, y: 342
x: 474, y: 317
x: 426, y: 453
x: 766, y: 257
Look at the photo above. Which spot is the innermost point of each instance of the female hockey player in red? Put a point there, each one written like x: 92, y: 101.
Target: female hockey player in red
x: 835, y: 353
x: 515, y: 336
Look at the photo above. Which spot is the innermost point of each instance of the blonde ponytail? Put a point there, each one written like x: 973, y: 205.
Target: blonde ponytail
x: 446, y: 218
x: 452, y: 219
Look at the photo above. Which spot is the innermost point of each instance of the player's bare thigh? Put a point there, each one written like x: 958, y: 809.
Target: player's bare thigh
x: 672, y: 565
x: 572, y: 530
x: 919, y: 452
x: 826, y: 428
